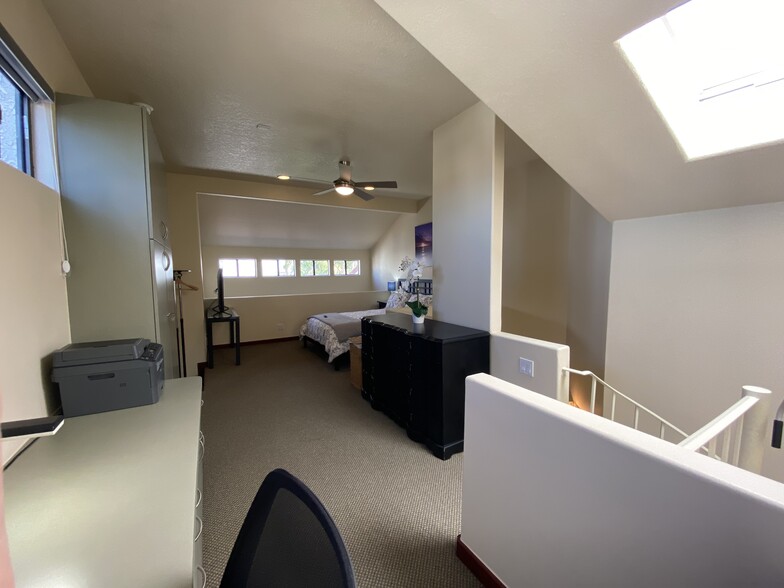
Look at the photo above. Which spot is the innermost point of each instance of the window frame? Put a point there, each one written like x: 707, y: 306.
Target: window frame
x: 236, y: 261
x: 32, y: 88
x: 277, y: 267
x: 345, y: 263
x: 314, y: 274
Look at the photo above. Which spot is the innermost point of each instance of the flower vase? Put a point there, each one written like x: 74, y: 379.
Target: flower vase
x: 418, y: 320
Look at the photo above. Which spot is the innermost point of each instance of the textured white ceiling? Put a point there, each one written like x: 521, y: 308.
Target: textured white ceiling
x: 332, y: 79
x: 250, y: 222
x: 550, y: 70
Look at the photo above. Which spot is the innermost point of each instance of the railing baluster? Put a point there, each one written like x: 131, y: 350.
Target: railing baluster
x: 742, y: 427
x: 725, y: 444
x: 736, y: 437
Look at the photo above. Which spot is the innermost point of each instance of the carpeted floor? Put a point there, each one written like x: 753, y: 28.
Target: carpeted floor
x: 396, y: 505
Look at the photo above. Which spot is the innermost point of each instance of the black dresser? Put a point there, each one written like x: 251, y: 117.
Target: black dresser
x: 416, y: 375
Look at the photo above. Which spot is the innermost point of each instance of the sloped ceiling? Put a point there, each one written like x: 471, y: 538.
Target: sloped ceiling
x: 325, y: 80
x: 250, y: 222
x: 549, y: 69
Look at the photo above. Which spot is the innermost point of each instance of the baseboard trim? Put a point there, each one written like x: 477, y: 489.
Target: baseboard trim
x: 476, y: 566
x: 257, y: 342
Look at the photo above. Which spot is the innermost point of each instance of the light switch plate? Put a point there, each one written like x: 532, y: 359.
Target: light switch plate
x: 527, y: 367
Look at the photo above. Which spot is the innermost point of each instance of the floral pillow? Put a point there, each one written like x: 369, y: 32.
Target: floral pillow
x: 397, y: 299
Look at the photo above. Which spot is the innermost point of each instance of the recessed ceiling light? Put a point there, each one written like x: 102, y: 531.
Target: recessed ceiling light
x: 284, y: 177
x: 369, y: 188
x: 714, y: 69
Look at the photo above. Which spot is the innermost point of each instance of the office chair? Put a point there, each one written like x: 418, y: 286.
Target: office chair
x: 288, y: 540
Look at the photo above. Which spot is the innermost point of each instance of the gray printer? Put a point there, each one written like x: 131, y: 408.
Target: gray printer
x: 108, y: 375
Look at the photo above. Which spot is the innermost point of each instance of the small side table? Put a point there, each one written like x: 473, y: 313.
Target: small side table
x: 228, y: 316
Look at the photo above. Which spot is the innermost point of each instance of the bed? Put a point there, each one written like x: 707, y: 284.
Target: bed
x: 333, y: 330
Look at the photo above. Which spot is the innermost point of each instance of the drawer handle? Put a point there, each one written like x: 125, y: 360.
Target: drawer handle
x: 203, y: 575
x: 201, y: 444
x: 198, y: 499
x: 201, y: 527
x: 164, y: 230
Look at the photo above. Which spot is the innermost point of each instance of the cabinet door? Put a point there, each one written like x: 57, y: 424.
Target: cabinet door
x: 156, y: 186
x: 165, y: 316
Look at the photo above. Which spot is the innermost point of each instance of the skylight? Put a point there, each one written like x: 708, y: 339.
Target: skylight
x: 715, y: 71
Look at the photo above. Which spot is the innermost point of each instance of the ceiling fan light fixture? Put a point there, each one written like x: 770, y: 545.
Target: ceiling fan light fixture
x: 344, y: 190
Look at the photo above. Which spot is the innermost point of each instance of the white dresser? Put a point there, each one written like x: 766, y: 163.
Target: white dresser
x: 113, y: 499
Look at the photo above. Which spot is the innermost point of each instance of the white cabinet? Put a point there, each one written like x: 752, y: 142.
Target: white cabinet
x: 111, y: 499
x: 116, y: 224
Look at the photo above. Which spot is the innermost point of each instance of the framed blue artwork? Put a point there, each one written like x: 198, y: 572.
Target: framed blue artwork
x: 423, y: 244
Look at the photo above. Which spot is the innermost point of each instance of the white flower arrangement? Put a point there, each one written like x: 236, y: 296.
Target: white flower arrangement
x: 413, y: 272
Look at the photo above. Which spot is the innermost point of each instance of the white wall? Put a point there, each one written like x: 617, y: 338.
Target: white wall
x: 261, y: 286
x: 398, y: 242
x: 549, y: 360
x: 275, y: 317
x: 468, y: 160
x: 34, y: 292
x: 697, y: 310
x: 536, y: 250
x: 556, y: 263
x: 590, y: 249
x: 555, y: 496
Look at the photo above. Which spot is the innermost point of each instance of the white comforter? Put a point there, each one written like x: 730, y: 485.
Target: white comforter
x: 324, y: 334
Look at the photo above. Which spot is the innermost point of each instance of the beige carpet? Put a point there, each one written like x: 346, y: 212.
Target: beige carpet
x: 396, y: 505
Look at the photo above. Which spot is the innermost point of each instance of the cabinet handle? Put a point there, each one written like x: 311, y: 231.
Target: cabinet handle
x: 201, y: 527
x: 166, y: 261
x: 201, y: 443
x: 164, y: 230
x: 203, y: 575
x: 198, y: 499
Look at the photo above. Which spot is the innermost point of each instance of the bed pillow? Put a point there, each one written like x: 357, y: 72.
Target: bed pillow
x: 397, y: 299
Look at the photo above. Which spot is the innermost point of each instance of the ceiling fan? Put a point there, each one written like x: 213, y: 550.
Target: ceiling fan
x: 345, y: 186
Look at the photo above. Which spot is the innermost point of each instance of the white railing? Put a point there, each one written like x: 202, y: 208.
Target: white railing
x: 638, y: 408
x: 740, y: 429
x: 736, y: 436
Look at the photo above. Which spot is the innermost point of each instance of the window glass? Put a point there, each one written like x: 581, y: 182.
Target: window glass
x: 287, y: 267
x: 247, y: 268
x: 14, y: 125
x: 352, y: 267
x: 339, y: 267
x: 269, y: 268
x: 229, y: 267
x: 322, y: 267
x: 305, y: 267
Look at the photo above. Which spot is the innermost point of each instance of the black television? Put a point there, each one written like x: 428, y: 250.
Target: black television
x: 220, y: 307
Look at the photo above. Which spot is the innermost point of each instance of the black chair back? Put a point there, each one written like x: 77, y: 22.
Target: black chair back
x: 288, y: 539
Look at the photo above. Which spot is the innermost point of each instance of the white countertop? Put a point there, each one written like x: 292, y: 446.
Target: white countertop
x: 109, y: 500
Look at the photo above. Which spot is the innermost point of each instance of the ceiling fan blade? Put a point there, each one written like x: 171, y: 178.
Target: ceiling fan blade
x: 345, y: 169
x: 391, y: 184
x: 327, y: 191
x: 362, y: 194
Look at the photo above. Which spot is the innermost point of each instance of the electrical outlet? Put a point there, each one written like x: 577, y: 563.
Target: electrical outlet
x: 527, y: 367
